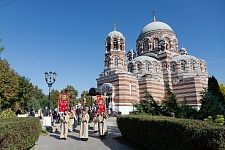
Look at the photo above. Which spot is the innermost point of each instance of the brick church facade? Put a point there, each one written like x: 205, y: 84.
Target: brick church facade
x: 127, y: 76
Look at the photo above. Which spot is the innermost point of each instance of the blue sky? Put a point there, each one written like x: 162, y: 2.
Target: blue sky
x: 68, y: 36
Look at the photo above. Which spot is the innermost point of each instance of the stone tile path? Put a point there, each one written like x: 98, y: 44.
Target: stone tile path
x: 73, y: 142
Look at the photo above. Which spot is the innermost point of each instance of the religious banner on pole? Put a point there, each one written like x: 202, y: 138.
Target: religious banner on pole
x: 63, y: 101
x: 101, y: 104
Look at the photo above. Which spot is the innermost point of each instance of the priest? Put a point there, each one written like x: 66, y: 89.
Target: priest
x: 64, y: 119
x: 102, y: 125
x: 84, y: 126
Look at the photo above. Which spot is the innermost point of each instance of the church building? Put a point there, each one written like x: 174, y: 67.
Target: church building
x: 156, y: 61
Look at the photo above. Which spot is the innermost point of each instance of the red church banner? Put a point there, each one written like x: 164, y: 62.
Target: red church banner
x: 63, y: 101
x: 101, y: 104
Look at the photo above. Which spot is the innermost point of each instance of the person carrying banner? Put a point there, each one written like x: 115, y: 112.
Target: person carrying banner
x: 84, y: 126
x: 64, y: 125
x: 102, y: 125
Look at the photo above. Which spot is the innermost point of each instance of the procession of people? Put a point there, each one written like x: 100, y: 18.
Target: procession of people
x: 71, y: 119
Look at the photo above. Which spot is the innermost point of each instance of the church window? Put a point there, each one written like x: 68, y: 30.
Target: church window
x: 116, y: 62
x: 115, y: 43
x: 138, y: 67
x: 121, y: 47
x: 145, y: 46
x: 146, y: 66
x: 156, y: 43
x: 122, y: 62
x: 182, y: 66
x: 153, y: 67
x: 130, y: 68
x: 191, y: 65
x: 173, y: 67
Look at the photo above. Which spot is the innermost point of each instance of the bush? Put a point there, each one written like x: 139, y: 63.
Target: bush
x: 19, y: 133
x: 159, y: 132
x: 7, y: 113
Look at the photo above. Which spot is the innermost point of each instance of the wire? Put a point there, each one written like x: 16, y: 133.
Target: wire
x: 7, y: 3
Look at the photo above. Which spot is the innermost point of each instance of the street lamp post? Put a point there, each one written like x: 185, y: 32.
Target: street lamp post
x: 50, y: 80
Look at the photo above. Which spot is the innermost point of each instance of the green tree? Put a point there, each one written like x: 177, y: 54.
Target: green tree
x: 147, y: 106
x: 222, y: 89
x: 211, y: 106
x: 187, y: 111
x: 8, y: 84
x: 1, y: 48
x: 214, y: 88
x: 73, y: 95
x: 54, y: 95
x: 33, y: 103
x: 170, y: 102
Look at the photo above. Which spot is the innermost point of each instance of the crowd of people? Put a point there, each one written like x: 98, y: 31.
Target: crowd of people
x: 69, y: 121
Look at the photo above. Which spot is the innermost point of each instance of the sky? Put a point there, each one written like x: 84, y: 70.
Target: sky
x: 68, y: 36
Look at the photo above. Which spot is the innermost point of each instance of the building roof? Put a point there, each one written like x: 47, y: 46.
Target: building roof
x: 144, y: 58
x: 156, y: 25
x: 115, y: 34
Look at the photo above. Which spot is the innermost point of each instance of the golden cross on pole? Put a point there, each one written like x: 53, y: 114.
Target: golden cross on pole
x: 105, y: 96
x: 114, y: 25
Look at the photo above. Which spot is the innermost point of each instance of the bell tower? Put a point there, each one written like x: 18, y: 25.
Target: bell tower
x: 115, y: 55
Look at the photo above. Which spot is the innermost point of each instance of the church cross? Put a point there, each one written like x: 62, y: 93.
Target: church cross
x: 105, y: 96
x: 114, y: 25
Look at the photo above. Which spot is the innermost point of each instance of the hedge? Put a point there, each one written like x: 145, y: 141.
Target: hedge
x: 160, y: 133
x: 19, y: 133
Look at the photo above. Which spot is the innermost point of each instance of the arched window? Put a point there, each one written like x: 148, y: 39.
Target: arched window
x: 115, y: 62
x: 182, y: 66
x: 173, y: 67
x: 147, y: 66
x: 115, y: 43
x: 122, y: 62
x: 145, y: 46
x: 138, y: 67
x: 107, y: 62
x: 153, y: 67
x: 192, y: 65
x: 156, y: 43
x: 130, y: 68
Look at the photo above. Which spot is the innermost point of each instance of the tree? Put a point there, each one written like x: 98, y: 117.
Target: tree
x: 222, y: 89
x: 187, y: 111
x: 54, y: 95
x: 1, y: 48
x: 148, y: 106
x: 211, y: 106
x: 214, y: 88
x: 170, y: 102
x: 8, y: 84
x: 73, y: 95
x: 33, y: 103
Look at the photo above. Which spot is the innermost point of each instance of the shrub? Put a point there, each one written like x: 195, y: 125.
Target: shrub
x: 19, y: 133
x: 159, y: 132
x: 7, y: 113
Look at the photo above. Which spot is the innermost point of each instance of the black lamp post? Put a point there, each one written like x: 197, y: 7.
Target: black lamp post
x: 50, y: 79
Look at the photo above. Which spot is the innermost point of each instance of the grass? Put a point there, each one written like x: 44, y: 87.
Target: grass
x: 44, y: 133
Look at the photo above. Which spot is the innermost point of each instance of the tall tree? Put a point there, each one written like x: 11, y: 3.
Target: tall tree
x: 73, y: 95
x: 222, y: 89
x: 211, y: 106
x: 214, y: 88
x: 170, y: 102
x: 54, y: 99
x: 1, y: 48
x: 8, y: 84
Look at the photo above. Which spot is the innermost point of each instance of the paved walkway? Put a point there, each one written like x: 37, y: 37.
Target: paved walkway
x: 73, y: 142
